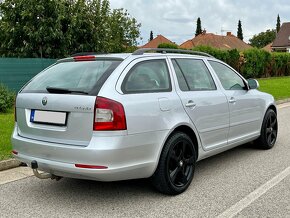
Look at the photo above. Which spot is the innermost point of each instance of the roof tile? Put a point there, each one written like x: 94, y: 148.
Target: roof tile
x: 282, y: 38
x: 268, y: 47
x: 217, y: 41
x: 157, y: 41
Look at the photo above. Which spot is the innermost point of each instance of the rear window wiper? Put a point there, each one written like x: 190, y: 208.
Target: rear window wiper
x: 64, y: 91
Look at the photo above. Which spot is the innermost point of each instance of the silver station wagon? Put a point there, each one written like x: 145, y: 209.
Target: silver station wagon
x: 141, y: 115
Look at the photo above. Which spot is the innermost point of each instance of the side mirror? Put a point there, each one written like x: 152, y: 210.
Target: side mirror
x: 253, y: 84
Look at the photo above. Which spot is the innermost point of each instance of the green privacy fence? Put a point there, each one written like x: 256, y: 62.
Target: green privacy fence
x: 15, y: 72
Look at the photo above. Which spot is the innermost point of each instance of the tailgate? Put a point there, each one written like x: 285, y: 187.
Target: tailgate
x: 58, y: 118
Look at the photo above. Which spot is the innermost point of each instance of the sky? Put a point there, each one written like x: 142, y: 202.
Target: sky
x: 176, y: 19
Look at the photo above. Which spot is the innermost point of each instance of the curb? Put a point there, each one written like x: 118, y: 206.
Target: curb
x: 283, y: 101
x: 9, y: 164
x: 12, y: 163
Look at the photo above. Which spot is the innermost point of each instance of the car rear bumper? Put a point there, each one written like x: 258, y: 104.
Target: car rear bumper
x: 126, y: 157
x: 69, y: 170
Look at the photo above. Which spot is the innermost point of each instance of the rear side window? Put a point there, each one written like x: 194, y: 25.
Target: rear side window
x: 147, y: 76
x: 82, y: 76
x: 193, y: 75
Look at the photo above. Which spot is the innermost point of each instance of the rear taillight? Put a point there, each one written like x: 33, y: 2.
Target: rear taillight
x: 109, y: 115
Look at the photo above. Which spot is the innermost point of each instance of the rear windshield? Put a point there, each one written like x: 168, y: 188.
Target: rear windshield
x: 83, y: 77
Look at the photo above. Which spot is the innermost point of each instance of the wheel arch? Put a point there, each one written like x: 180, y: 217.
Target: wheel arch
x: 191, y: 134
x: 270, y: 106
x: 187, y: 130
x: 273, y: 107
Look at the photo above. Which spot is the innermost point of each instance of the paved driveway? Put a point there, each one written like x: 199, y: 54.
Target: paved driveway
x: 242, y: 182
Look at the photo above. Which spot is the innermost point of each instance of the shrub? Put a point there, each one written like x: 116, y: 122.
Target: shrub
x: 256, y: 63
x: 168, y: 45
x: 280, y: 64
x: 219, y: 54
x: 231, y: 57
x: 131, y: 49
x: 252, y: 63
x: 234, y: 59
x: 6, y: 99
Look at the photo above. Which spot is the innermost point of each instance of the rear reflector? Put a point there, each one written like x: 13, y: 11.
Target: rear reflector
x: 109, y: 115
x: 85, y: 58
x: 90, y: 166
x: 14, y: 152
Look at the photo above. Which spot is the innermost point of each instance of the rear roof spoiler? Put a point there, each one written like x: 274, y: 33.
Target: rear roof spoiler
x: 88, y: 53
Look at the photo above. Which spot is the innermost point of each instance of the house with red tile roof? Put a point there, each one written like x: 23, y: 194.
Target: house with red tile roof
x: 282, y: 41
x: 216, y: 41
x: 159, y: 39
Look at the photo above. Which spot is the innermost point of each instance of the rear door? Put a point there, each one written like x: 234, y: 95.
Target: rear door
x: 246, y: 109
x: 58, y: 104
x: 204, y: 103
x: 147, y: 96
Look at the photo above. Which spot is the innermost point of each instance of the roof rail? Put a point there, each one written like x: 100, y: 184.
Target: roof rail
x: 141, y: 51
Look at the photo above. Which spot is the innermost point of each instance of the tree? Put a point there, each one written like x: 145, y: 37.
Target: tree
x: 82, y: 30
x: 278, y: 24
x: 263, y: 38
x: 100, y: 15
x: 198, y: 27
x: 124, y: 31
x: 53, y: 29
x: 151, y: 36
x: 240, y: 31
x: 30, y: 29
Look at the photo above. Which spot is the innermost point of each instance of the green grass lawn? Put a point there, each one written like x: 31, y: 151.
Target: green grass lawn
x: 6, y: 128
x: 279, y: 87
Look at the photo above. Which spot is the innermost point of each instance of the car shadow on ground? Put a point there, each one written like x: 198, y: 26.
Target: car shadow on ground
x: 87, y: 189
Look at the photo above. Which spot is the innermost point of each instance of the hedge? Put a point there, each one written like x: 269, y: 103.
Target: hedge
x: 7, y: 98
x: 252, y: 63
x: 168, y: 45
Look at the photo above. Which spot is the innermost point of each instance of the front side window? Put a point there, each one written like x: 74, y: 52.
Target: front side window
x: 147, y: 76
x: 193, y: 75
x: 228, y: 78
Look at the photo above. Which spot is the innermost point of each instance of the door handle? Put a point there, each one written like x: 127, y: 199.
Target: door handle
x: 190, y: 104
x: 232, y: 100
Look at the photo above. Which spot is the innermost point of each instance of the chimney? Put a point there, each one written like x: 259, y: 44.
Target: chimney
x: 229, y: 34
x: 204, y: 32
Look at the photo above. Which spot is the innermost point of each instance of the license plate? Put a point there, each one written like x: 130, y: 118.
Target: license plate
x: 48, y: 117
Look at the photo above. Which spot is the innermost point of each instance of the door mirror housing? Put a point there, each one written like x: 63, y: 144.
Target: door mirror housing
x: 253, y: 83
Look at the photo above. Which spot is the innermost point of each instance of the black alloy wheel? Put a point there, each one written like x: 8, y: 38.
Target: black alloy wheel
x: 181, y: 163
x: 269, y: 131
x: 176, y: 165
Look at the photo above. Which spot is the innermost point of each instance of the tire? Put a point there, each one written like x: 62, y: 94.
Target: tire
x: 176, y: 165
x: 269, y: 131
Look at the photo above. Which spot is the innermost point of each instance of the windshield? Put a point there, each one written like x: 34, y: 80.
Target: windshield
x: 81, y: 77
